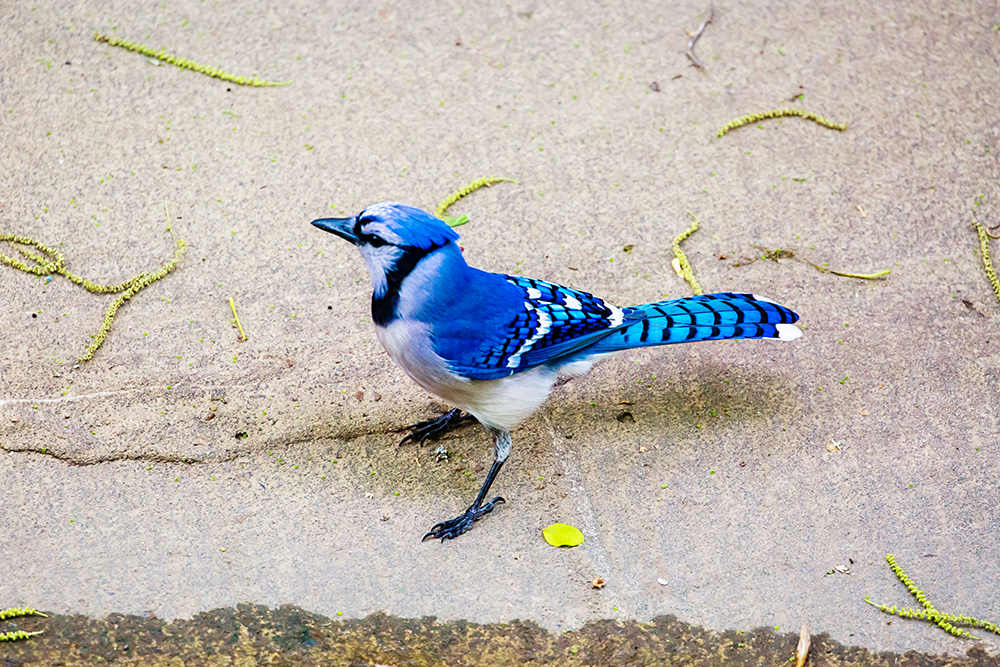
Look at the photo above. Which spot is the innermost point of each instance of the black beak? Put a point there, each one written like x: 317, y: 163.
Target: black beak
x: 342, y: 227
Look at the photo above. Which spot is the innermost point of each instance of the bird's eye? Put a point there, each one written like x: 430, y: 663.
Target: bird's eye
x: 375, y: 241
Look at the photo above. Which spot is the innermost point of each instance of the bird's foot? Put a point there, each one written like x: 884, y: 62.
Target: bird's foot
x: 449, y: 530
x: 433, y: 428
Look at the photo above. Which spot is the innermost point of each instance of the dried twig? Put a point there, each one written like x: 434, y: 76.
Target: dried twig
x: 696, y: 34
x: 785, y: 253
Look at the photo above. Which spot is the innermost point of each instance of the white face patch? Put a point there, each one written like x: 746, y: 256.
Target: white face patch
x: 380, y: 261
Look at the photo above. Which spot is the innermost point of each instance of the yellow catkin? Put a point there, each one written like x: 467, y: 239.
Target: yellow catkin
x: 946, y: 622
x: 184, y: 63
x: 778, y: 113
x: 56, y: 263
x: 15, y: 612
x: 682, y: 259
x: 468, y: 189
x: 17, y: 634
x: 984, y: 247
x: 42, y: 266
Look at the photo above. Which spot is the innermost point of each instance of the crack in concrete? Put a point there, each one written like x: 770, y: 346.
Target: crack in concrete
x: 101, y: 394
x: 111, y: 458
x: 288, y: 440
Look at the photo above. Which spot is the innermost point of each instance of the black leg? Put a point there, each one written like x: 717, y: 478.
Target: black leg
x: 432, y: 428
x: 449, y: 530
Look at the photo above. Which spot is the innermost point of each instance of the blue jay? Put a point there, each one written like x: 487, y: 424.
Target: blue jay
x: 493, y: 345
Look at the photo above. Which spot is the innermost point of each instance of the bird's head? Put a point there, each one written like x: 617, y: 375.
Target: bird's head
x: 392, y: 237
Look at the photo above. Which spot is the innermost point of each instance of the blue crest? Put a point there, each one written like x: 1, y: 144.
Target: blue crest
x: 414, y: 227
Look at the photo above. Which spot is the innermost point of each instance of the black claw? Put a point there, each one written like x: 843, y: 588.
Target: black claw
x: 432, y: 428
x: 452, y: 528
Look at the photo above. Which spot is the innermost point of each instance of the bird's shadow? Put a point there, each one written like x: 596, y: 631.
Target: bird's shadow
x: 705, y: 396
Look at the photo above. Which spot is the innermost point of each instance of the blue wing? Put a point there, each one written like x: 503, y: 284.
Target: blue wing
x: 554, y: 321
x: 559, y: 324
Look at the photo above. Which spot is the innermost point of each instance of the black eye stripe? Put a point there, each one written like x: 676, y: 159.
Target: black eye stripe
x: 371, y: 239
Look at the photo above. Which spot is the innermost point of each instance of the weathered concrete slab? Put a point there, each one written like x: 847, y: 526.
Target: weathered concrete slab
x: 707, y: 466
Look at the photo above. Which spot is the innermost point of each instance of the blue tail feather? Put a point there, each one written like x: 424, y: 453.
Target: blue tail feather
x: 698, y: 318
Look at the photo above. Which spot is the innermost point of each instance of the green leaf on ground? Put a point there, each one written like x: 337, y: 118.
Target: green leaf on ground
x: 455, y: 222
x: 562, y: 535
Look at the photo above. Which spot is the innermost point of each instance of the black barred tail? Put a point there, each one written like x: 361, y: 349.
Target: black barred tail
x: 706, y: 317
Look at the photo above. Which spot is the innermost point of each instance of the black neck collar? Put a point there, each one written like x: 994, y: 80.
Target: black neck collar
x: 384, y: 307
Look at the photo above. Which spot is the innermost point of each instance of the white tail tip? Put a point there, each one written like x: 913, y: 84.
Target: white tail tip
x: 788, y: 331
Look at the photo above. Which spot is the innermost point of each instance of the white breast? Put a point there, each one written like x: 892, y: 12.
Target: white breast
x: 502, y: 403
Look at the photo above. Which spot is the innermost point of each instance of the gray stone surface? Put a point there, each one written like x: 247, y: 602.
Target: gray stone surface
x: 119, y: 496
